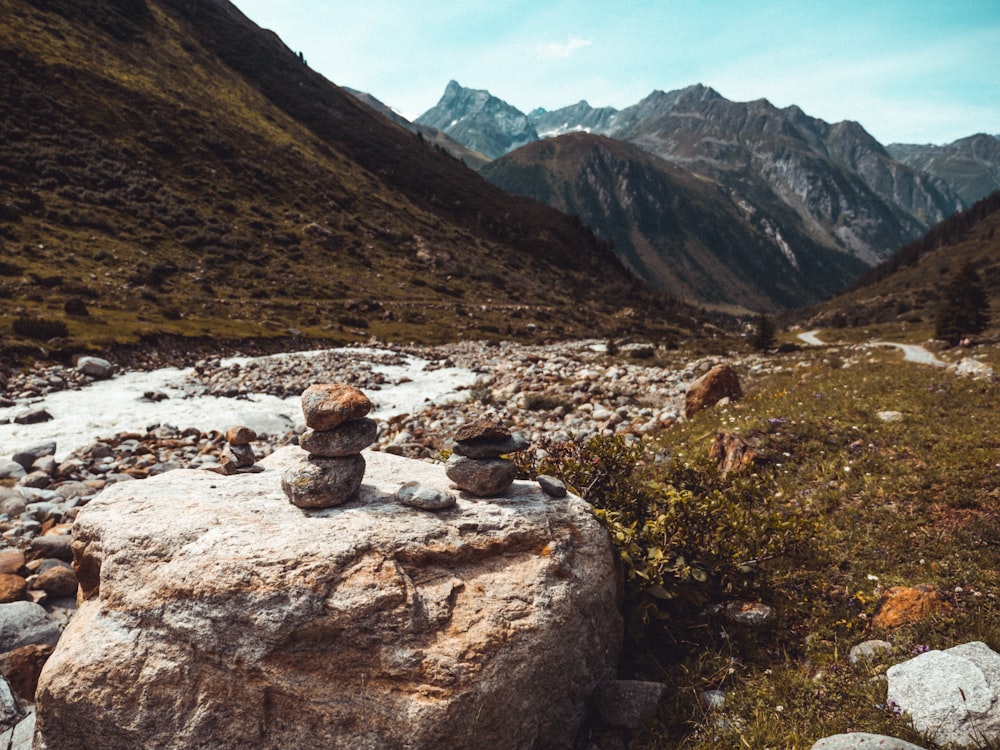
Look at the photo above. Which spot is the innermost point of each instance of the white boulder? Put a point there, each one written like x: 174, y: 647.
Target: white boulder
x: 214, y: 613
x: 951, y: 696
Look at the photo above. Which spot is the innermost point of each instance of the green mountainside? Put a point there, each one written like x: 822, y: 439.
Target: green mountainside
x: 168, y: 167
x: 908, y: 286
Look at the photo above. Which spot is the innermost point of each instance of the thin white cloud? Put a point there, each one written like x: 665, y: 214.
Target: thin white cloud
x: 563, y: 50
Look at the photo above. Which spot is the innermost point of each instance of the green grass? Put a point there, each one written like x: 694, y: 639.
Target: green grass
x: 873, y: 504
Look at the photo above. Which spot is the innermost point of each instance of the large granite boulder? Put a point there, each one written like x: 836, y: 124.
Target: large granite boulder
x: 215, y: 614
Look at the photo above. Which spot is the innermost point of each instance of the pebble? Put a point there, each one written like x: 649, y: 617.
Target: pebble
x: 491, y: 447
x: 551, y: 486
x: 417, y: 495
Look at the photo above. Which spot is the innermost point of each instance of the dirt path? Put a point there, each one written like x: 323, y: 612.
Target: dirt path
x: 911, y: 352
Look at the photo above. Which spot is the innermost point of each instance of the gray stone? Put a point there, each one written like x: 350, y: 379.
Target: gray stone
x: 551, y: 486
x: 33, y: 416
x: 869, y: 651
x: 11, y: 470
x: 491, y: 448
x: 713, y: 700
x: 11, y: 711
x: 53, y: 545
x: 863, y: 741
x: 417, y: 495
x: 26, y: 624
x: 12, y: 503
x: 28, y: 456
x: 346, y: 440
x: 951, y: 696
x: 489, y: 477
x: 36, y: 479
x: 628, y: 703
x: 95, y: 367
x: 316, y: 482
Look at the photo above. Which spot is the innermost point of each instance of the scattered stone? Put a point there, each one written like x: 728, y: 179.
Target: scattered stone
x: 53, y: 545
x: 746, y: 613
x: 13, y: 588
x: 901, y: 605
x: 951, y: 696
x: 25, y: 624
x: 33, y: 416
x: 485, y: 428
x: 869, y: 652
x: 718, y: 383
x: 11, y: 711
x: 11, y: 560
x: 58, y: 581
x: 317, y: 482
x: 28, y: 456
x: 713, y: 700
x: 36, y: 479
x: 488, y: 477
x: 491, y: 447
x: 863, y: 741
x: 628, y: 703
x: 732, y: 453
x: 973, y: 368
x: 95, y: 367
x: 551, y: 486
x: 348, y: 439
x: 22, y: 666
x: 890, y: 416
x: 11, y: 470
x: 328, y: 405
x: 417, y: 495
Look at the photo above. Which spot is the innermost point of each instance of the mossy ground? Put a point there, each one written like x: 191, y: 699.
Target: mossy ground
x: 877, y: 504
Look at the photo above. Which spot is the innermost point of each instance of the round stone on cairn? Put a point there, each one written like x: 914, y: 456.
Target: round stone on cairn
x: 476, y: 465
x: 332, y: 468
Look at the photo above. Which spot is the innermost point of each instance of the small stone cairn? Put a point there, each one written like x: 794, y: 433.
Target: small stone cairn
x: 237, y: 457
x: 338, y: 430
x: 475, y: 465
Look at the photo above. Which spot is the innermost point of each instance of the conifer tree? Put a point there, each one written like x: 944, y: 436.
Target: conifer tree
x: 964, y: 309
x: 764, y: 335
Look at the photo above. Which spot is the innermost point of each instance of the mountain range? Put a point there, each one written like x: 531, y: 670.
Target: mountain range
x: 167, y: 166
x: 811, y: 183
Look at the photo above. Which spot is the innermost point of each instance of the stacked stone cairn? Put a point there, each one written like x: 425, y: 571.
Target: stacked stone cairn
x: 237, y: 457
x: 476, y: 466
x: 338, y: 430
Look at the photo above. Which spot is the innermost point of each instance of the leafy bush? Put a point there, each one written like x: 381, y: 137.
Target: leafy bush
x: 39, y: 328
x: 685, y: 534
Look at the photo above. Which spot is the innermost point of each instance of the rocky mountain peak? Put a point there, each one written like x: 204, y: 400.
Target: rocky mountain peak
x: 479, y: 120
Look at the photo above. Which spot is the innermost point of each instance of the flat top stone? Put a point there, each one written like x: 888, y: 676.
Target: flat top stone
x: 328, y: 405
x: 484, y: 428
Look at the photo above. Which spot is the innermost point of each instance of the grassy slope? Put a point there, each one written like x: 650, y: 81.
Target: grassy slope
x: 180, y: 171
x: 875, y: 504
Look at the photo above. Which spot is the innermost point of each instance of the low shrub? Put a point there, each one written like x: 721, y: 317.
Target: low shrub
x: 39, y: 328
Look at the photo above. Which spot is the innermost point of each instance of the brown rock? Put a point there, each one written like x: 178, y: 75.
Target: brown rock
x: 239, y: 435
x: 12, y: 588
x: 718, y: 383
x: 57, y: 581
x: 317, y: 482
x: 484, y: 428
x: 732, y: 453
x: 22, y: 666
x: 11, y: 560
x: 328, y: 405
x: 902, y: 605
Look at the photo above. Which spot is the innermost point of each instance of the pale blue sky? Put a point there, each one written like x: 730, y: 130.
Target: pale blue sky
x: 909, y: 71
